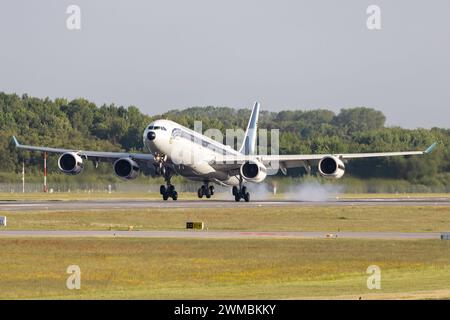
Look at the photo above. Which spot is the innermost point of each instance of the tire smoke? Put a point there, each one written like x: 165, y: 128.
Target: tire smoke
x: 313, y: 191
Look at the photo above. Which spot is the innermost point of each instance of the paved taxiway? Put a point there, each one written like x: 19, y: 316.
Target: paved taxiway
x: 211, y: 203
x: 224, y: 234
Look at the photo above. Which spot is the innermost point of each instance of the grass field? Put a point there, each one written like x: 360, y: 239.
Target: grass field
x: 218, y: 269
x: 129, y: 268
x: 298, y: 218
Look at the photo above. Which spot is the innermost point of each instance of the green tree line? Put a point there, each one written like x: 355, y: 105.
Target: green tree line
x: 80, y: 124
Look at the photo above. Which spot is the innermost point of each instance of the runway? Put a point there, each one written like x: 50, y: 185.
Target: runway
x: 226, y: 234
x: 210, y: 203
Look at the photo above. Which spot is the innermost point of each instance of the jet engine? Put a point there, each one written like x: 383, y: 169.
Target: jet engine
x: 253, y: 171
x: 126, y: 168
x: 331, y: 167
x: 70, y: 163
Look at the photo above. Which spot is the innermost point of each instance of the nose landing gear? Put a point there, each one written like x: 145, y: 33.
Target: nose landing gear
x: 168, y: 191
x: 162, y: 169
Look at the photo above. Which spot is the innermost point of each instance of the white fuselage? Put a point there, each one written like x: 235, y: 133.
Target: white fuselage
x: 188, y: 152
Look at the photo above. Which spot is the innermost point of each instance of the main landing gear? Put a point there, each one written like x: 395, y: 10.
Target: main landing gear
x: 205, y: 190
x: 168, y: 191
x: 241, y: 192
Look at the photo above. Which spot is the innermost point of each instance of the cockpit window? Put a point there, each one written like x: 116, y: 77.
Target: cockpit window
x: 156, y: 128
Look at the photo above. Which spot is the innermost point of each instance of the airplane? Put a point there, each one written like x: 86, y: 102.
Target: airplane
x: 168, y: 143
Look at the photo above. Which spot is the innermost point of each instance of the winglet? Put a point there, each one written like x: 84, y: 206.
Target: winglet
x: 430, y: 148
x: 15, y: 141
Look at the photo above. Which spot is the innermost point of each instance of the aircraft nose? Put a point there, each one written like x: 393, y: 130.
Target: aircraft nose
x: 151, y: 135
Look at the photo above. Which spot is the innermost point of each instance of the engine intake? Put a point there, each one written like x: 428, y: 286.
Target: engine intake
x: 126, y: 168
x: 253, y: 171
x: 331, y: 167
x: 70, y: 163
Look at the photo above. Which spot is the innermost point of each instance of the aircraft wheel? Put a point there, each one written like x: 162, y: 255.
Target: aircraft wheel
x: 237, y: 198
x: 211, y: 190
x: 165, y: 196
x: 174, y: 195
x: 247, y: 197
x: 200, y: 193
x: 235, y: 191
x: 162, y: 189
x: 206, y: 191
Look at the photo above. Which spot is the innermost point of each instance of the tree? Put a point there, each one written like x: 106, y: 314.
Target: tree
x: 360, y: 119
x: 81, y: 124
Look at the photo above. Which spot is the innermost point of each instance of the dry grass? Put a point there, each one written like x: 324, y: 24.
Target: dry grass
x: 307, y: 218
x: 219, y: 269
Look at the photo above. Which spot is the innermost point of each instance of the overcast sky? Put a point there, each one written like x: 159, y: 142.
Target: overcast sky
x: 287, y: 54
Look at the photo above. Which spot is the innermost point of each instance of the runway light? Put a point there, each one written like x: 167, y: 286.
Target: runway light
x: 3, y: 221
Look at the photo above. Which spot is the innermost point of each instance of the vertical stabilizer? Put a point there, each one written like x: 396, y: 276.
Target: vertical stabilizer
x: 249, y: 144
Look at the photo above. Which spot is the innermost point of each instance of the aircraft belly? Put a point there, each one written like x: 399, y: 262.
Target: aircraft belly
x: 216, y: 176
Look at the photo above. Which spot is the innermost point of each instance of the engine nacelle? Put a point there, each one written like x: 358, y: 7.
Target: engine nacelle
x: 70, y: 163
x: 126, y: 168
x: 253, y: 171
x: 331, y: 167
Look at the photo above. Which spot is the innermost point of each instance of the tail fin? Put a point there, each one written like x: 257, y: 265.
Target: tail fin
x: 249, y: 144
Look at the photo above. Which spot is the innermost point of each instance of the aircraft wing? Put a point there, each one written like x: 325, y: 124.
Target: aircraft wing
x: 300, y: 160
x: 88, y: 154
